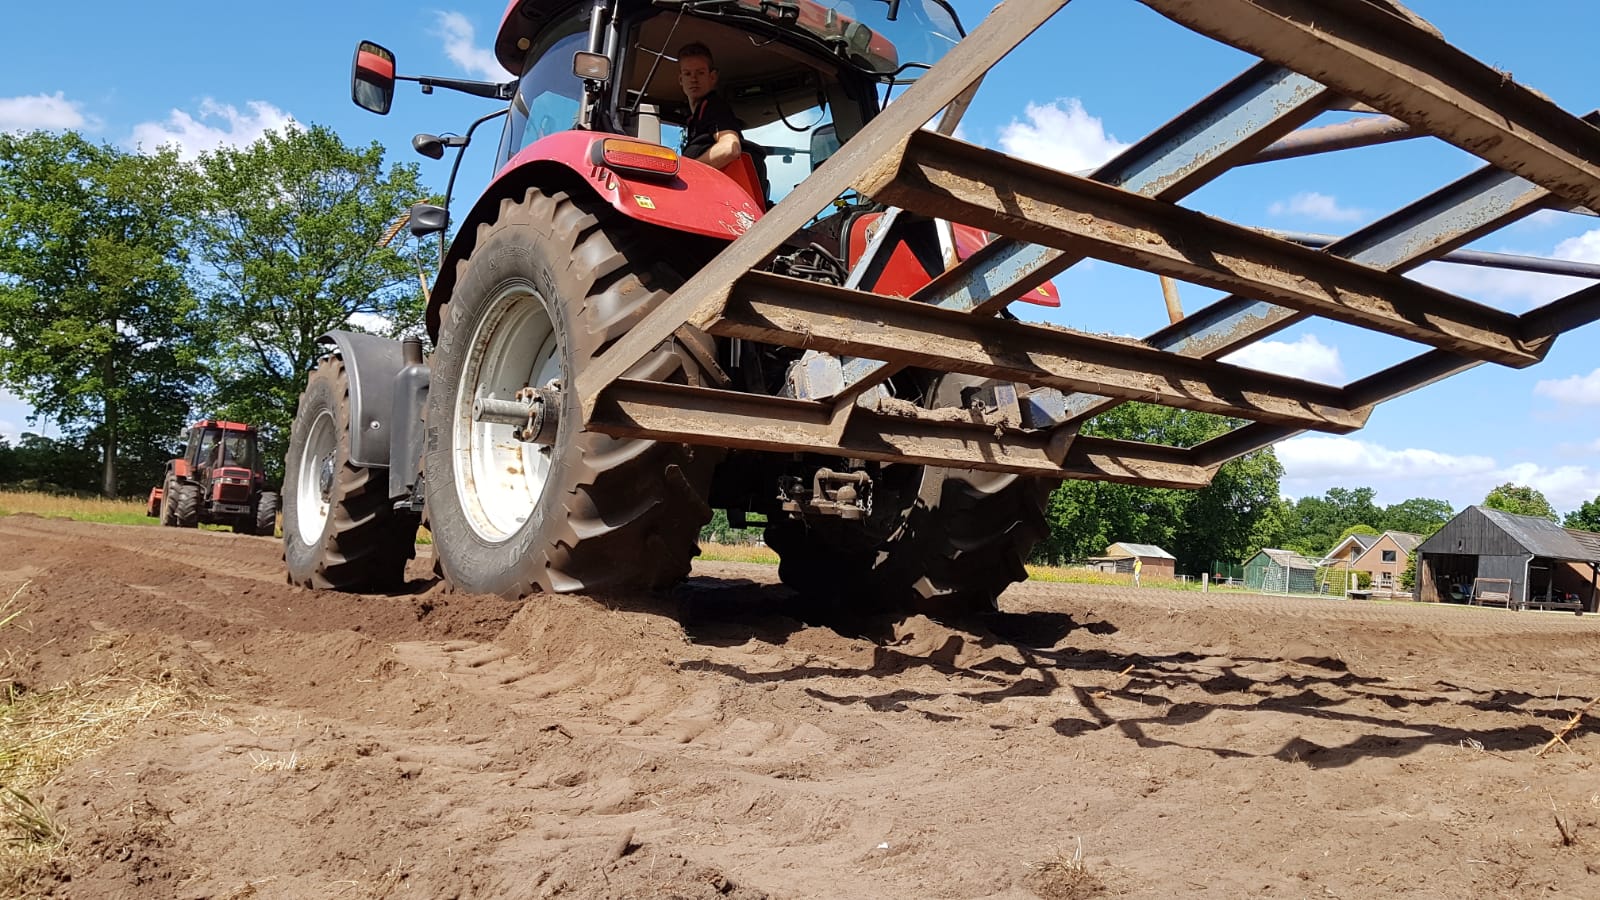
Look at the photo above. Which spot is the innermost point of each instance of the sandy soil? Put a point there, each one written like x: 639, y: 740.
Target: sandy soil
x: 713, y: 743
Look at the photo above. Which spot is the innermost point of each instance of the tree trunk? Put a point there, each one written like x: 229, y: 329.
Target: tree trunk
x: 108, y: 483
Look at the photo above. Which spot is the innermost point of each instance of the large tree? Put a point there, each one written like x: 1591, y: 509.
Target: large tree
x: 1419, y: 515
x: 1316, y: 524
x: 1218, y: 522
x: 99, y: 317
x: 1521, y: 500
x: 294, y: 245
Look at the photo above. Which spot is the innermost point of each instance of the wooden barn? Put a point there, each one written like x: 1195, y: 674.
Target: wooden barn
x: 1158, y: 563
x: 1548, y: 566
x: 1280, y: 572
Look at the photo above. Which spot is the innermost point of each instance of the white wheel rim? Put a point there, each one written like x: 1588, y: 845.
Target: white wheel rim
x: 311, y: 501
x: 499, y: 479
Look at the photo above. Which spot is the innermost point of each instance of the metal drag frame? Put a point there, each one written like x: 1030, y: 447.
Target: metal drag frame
x: 1316, y: 56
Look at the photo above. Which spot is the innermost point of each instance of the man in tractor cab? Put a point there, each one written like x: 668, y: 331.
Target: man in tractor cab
x: 713, y: 134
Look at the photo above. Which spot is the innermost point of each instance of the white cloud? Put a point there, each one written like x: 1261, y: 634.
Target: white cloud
x: 1325, y: 456
x: 1306, y: 358
x: 1312, y: 205
x: 1314, y: 463
x: 1582, y: 390
x: 460, y: 44
x: 1517, y: 291
x: 217, y: 125
x: 1061, y: 135
x: 47, y: 112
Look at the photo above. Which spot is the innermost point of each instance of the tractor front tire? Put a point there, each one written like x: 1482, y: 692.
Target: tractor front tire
x: 340, y: 529
x: 960, y: 538
x: 185, y: 505
x: 265, y: 518
x: 551, y: 283
x: 169, y: 517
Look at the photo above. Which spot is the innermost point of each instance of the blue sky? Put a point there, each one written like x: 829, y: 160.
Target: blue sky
x: 1100, y: 75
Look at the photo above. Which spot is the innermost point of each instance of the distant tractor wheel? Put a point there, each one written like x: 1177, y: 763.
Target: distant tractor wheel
x: 956, y: 540
x: 340, y: 529
x: 265, y: 518
x: 550, y: 284
x: 185, y: 504
x: 169, y: 516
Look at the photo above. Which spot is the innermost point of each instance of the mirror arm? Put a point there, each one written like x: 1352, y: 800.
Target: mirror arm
x: 456, y: 167
x: 493, y: 90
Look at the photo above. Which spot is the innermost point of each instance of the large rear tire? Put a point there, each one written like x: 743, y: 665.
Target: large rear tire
x: 550, y: 284
x: 340, y: 530
x: 959, y: 539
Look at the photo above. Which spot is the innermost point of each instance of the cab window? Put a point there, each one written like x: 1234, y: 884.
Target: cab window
x: 549, y: 97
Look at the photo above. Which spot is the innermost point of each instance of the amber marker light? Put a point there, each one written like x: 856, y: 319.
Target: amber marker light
x: 637, y: 157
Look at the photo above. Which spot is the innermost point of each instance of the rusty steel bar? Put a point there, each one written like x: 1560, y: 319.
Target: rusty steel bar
x: 1474, y: 205
x: 1516, y: 262
x: 1341, y: 136
x: 880, y: 142
x: 804, y: 314
x: 1572, y: 311
x: 1392, y: 61
x: 674, y: 412
x: 939, y: 175
x: 1211, y: 137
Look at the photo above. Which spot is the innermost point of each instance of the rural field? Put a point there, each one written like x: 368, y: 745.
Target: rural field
x: 183, y: 724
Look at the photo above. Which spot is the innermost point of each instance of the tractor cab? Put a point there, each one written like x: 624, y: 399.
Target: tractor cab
x: 218, y: 480
x: 224, y: 448
x: 800, y: 76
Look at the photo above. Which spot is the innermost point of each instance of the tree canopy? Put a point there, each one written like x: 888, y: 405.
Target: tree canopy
x: 1586, y: 517
x: 101, y: 332
x: 292, y: 245
x: 1218, y: 522
x: 1520, y: 500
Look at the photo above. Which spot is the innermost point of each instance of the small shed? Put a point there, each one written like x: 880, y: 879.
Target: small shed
x: 1280, y: 572
x: 1157, y: 563
x: 1547, y: 565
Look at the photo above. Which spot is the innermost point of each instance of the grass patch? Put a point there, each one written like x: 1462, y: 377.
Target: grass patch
x: 82, y: 509
x: 44, y: 731
x: 746, y: 553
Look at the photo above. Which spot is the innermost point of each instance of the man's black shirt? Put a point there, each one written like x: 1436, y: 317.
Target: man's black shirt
x: 710, y: 117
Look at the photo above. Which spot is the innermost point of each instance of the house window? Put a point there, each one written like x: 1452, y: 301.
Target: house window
x: 1388, y: 556
x: 1386, y: 579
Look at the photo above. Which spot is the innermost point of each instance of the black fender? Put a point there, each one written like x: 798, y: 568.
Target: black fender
x: 372, y: 363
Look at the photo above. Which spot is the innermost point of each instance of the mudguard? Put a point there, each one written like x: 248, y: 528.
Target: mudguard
x: 698, y: 199
x: 371, y: 363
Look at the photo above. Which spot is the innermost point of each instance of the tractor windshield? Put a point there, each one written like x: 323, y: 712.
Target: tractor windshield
x: 549, y: 97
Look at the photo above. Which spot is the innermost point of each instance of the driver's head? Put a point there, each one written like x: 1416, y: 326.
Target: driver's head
x: 697, y: 72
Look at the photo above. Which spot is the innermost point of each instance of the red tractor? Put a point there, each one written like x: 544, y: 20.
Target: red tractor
x: 628, y: 333
x: 218, y: 481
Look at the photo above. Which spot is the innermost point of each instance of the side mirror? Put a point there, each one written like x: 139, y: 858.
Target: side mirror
x: 429, y: 145
x: 432, y: 145
x: 428, y: 219
x: 824, y: 143
x: 372, y: 78
x: 591, y: 66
